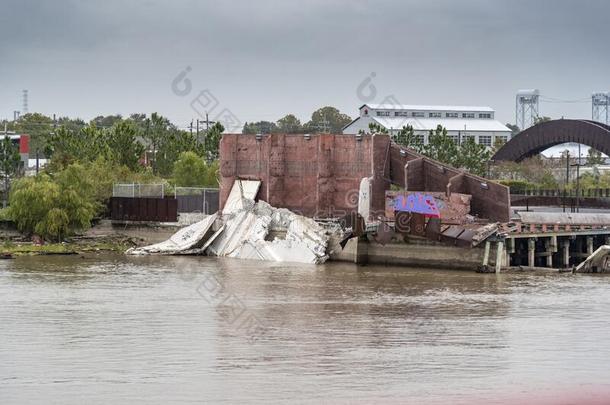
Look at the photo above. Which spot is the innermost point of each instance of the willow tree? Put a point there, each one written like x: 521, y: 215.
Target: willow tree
x: 53, y: 207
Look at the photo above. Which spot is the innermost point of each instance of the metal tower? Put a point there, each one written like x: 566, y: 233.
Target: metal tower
x: 526, y: 108
x: 599, y: 107
x: 24, y: 110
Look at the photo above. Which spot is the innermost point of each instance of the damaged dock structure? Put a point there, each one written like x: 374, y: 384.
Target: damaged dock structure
x: 333, y: 177
x: 320, y: 175
x: 359, y: 180
x: 364, y: 199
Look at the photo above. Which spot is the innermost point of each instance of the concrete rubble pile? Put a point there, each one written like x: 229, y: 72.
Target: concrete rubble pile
x: 249, y: 230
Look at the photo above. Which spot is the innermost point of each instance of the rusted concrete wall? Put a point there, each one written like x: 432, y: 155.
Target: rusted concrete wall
x: 321, y: 176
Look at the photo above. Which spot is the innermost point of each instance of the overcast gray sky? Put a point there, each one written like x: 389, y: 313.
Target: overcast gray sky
x: 264, y: 59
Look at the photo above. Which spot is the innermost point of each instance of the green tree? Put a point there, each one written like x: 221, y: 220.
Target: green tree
x: 212, y: 141
x: 374, y: 128
x: 540, y: 120
x: 498, y: 143
x: 260, y: 127
x: 52, y: 208
x: 406, y: 137
x: 72, y: 124
x: 106, y: 121
x: 473, y: 157
x: 514, y: 128
x: 38, y: 126
x: 289, y: 124
x: 594, y: 157
x: 123, y: 144
x: 9, y: 163
x: 327, y: 119
x: 157, y: 129
x: 190, y: 170
x: 442, y: 147
x: 67, y: 146
x: 171, y: 146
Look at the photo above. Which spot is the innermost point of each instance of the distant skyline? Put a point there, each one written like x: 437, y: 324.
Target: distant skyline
x: 261, y: 60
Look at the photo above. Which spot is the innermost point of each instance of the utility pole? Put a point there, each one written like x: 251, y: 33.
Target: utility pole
x: 567, y: 179
x: 191, y: 127
x: 578, y: 181
x: 208, y: 122
x: 207, y: 129
x: 197, y: 129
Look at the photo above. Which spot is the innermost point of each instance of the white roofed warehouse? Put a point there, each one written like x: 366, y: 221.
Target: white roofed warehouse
x: 461, y: 122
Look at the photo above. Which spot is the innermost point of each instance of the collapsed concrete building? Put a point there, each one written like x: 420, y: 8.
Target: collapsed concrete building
x: 328, y: 176
x: 320, y: 175
x: 309, y: 198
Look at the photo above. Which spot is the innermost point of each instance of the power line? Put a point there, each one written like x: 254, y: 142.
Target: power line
x: 558, y: 100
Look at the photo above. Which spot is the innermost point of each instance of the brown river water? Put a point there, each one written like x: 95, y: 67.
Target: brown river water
x: 159, y: 330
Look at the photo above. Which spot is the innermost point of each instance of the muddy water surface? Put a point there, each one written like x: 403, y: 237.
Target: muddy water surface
x: 200, y: 330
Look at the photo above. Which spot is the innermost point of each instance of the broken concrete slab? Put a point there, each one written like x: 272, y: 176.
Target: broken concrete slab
x: 247, y: 236
x: 242, y: 193
x: 250, y: 230
x: 186, y: 239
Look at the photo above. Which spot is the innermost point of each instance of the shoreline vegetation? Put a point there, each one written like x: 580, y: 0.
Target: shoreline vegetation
x: 11, y: 248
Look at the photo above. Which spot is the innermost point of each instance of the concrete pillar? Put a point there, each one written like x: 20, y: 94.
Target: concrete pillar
x: 362, y: 251
x: 510, y: 249
x: 589, y: 245
x: 531, y: 252
x: 553, y: 243
x: 551, y: 247
x: 486, y: 254
x: 566, y: 253
x: 499, y: 250
x: 549, y: 252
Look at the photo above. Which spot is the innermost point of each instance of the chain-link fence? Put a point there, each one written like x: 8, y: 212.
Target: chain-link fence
x: 137, y: 190
x: 197, y: 199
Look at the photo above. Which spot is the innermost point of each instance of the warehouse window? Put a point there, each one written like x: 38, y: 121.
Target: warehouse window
x: 435, y: 115
x: 452, y: 115
x: 383, y: 113
x: 418, y: 114
x: 485, y: 140
x: 401, y: 114
x: 467, y: 115
x: 485, y: 115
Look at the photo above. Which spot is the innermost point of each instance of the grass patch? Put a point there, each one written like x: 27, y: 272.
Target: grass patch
x: 29, y: 249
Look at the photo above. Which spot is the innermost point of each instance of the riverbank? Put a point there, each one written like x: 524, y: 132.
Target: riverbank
x: 104, y: 236
x: 116, y: 243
